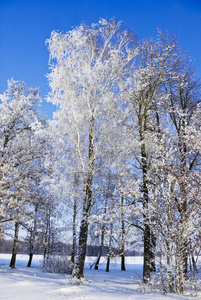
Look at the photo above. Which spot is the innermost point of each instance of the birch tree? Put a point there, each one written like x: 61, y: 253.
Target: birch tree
x: 21, y: 155
x: 185, y: 162
x: 87, y: 64
x: 18, y: 146
x: 158, y: 63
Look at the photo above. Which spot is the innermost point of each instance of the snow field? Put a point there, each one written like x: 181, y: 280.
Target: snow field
x: 25, y: 283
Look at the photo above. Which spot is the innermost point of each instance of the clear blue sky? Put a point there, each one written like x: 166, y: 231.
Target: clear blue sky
x: 26, y: 24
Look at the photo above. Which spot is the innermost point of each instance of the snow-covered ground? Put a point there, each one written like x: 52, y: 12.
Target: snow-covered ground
x: 25, y: 283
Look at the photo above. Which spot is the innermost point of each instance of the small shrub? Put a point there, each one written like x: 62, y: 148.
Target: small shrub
x: 81, y: 281
x: 57, y: 264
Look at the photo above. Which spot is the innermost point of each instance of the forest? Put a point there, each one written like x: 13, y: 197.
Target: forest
x: 118, y: 166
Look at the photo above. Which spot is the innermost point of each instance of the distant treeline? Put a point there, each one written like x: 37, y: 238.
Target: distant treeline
x: 6, y: 246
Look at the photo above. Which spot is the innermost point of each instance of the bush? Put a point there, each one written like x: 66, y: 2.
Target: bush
x: 57, y: 264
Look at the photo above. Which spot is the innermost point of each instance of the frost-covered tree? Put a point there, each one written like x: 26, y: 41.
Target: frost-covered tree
x: 18, y: 146
x: 180, y: 175
x: 184, y: 97
x: 22, y: 154
x: 144, y: 92
x: 87, y: 65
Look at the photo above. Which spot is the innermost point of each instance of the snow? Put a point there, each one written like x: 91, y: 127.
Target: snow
x: 32, y: 284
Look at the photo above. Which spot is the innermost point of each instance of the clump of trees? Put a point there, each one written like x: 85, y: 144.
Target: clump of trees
x: 121, y: 157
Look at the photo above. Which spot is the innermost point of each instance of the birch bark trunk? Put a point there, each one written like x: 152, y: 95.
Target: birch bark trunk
x: 78, y: 270
x: 15, y: 243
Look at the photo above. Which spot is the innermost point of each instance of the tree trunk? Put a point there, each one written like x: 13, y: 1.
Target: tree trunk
x: 74, y: 232
x: 123, y: 267
x: 191, y: 257
x: 47, y: 250
x: 108, y: 263
x: 102, y: 238
x: 30, y: 259
x: 101, y: 248
x: 170, y: 276
x: 183, y: 206
x: 109, y: 249
x: 78, y: 270
x: 147, y: 232
x: 32, y: 240
x: 184, y: 218
x: 153, y: 218
x: 147, y: 254
x: 152, y: 254
x: 30, y: 251
x: 15, y: 243
x: 143, y: 121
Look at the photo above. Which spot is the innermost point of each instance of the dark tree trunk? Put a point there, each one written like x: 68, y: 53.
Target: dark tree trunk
x: 108, y: 263
x: 78, y: 270
x: 102, y: 238
x: 152, y: 254
x: 184, y: 169
x: 195, y: 270
x: 101, y: 249
x: 32, y: 240
x: 15, y: 243
x: 97, y: 261
x: 31, y: 248
x: 143, y: 121
x: 47, y: 250
x: 184, y: 253
x: 30, y: 259
x: 147, y: 260
x: 153, y: 236
x: 47, y: 235
x: 123, y: 267
x: 74, y: 232
x: 184, y: 217
x: 147, y: 233
x: 109, y: 249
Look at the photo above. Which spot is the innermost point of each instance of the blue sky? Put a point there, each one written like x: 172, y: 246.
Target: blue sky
x: 26, y: 24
